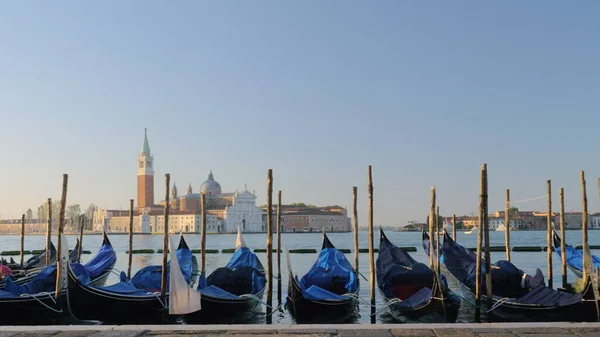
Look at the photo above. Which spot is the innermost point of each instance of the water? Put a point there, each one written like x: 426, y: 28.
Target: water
x: 527, y: 261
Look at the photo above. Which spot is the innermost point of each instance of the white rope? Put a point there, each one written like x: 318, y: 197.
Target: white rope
x: 536, y: 198
x: 498, y: 303
x: 157, y: 295
x: 41, y: 302
x: 256, y: 298
x: 275, y: 310
x: 387, y: 305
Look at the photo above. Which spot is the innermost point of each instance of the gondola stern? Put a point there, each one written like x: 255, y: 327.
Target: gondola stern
x: 326, y: 242
x: 105, y: 239
x: 556, y: 239
x: 182, y: 243
x: 447, y: 237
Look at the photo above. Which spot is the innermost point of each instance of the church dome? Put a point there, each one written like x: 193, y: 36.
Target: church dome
x: 210, y: 186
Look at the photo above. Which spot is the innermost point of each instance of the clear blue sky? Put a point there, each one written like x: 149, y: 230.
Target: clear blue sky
x: 425, y: 91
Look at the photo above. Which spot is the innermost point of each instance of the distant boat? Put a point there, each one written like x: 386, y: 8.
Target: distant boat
x: 470, y: 231
x: 500, y: 228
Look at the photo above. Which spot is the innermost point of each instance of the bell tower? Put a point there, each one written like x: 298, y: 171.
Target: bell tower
x: 145, y: 176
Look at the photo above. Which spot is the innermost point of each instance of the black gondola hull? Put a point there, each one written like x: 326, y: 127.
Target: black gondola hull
x: 510, y: 311
x: 216, y: 310
x: 433, y: 311
x: 43, y: 309
x: 305, y: 311
x: 93, y: 304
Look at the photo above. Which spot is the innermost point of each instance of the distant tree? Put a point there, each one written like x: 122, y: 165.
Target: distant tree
x: 72, y: 213
x: 301, y: 204
x: 460, y: 225
x: 88, y: 215
x: 513, y: 211
x: 89, y: 211
x: 28, y: 215
x: 42, y: 211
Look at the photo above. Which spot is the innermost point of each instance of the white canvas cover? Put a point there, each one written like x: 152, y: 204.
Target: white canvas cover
x: 182, y: 298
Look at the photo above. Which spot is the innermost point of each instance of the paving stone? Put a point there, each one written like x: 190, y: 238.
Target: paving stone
x: 550, y: 335
x: 8, y: 333
x: 73, y: 333
x: 540, y: 331
x: 248, y: 332
x: 40, y: 333
x: 496, y: 334
x: 454, y: 332
x: 120, y: 333
x: 489, y: 330
x: 413, y: 333
x: 265, y: 335
x: 308, y: 331
x: 586, y: 332
x: 186, y: 333
x: 365, y: 333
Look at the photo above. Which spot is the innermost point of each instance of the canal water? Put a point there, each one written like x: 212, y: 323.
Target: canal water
x: 527, y: 261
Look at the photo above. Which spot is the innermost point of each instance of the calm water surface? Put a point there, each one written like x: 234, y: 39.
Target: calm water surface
x: 527, y: 261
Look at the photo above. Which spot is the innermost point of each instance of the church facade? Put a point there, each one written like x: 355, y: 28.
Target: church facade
x: 225, y: 212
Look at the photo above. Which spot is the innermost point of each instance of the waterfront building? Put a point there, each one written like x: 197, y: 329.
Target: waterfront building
x: 311, y: 219
x: 225, y: 211
x: 594, y: 221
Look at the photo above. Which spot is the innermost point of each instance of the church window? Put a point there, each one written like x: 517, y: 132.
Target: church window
x: 141, y: 164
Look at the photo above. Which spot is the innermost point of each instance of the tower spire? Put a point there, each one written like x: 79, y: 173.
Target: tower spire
x: 146, y: 146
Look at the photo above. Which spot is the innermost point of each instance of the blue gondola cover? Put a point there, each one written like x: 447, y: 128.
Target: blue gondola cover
x: 331, y: 272
x: 244, y: 274
x: 507, y: 279
x: 575, y: 257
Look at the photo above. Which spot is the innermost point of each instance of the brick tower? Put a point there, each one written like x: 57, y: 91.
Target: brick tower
x: 145, y: 176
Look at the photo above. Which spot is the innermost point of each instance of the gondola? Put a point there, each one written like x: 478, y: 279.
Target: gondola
x: 34, y: 301
x: 231, y: 294
x: 426, y: 241
x: 574, y: 257
x: 130, y: 301
x: 327, y: 293
x: 411, y: 289
x: 34, y: 265
x: 518, y: 297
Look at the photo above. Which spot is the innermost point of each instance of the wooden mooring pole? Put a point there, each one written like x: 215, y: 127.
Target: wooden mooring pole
x: 431, y: 222
x: 507, y: 225
x: 61, y: 225
x: 479, y: 243
x: 371, y: 251
x: 355, y: 225
x: 22, y: 239
x: 269, y: 289
x: 278, y: 247
x: 454, y: 227
x: 438, y: 222
x: 49, y: 232
x: 486, y: 226
x: 130, y: 251
x: 203, y: 235
x: 549, y: 232
x: 584, y: 220
x: 563, y: 257
x: 80, y: 248
x: 163, y: 285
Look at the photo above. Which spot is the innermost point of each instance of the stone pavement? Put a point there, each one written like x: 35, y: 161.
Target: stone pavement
x: 350, y: 330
